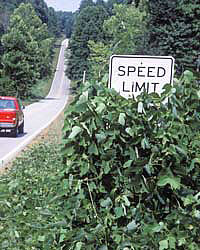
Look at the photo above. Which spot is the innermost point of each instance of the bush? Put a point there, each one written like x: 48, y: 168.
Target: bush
x: 132, y: 178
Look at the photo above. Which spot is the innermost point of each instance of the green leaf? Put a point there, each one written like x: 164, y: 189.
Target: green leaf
x: 127, y: 164
x: 100, y: 137
x: 181, y: 150
x: 119, y: 212
x: 75, y: 131
x: 155, y: 228
x: 172, y: 242
x: 190, y: 199
x: 188, y: 75
x: 117, y: 238
x: 129, y: 131
x: 121, y: 119
x: 132, y: 226
x: 62, y: 238
x: 105, y: 78
x: 106, y: 167
x: 163, y: 244
x: 100, y: 108
x: 145, y: 143
x: 192, y: 165
x: 140, y: 107
x: 126, y: 200
x: 13, y: 185
x: 78, y: 246
x: 104, y: 247
x: 174, y: 182
x: 93, y: 149
x: 106, y: 203
x: 41, y: 238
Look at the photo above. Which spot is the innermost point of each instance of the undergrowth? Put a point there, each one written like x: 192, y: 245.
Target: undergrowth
x: 30, y: 215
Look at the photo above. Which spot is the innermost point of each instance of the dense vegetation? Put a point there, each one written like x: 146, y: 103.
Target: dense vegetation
x: 132, y: 181
x: 88, y: 26
x: 47, y: 15
x: 28, y: 31
x: 27, y: 48
x: 128, y: 174
x: 140, y: 27
x: 174, y: 29
x: 133, y: 177
x: 30, y: 214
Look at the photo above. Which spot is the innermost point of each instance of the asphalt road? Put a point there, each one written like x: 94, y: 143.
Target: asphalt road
x: 39, y: 115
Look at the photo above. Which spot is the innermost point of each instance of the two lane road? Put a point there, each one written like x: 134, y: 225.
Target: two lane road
x: 39, y: 115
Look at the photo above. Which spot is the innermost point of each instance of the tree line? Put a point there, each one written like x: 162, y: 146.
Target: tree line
x: 28, y: 30
x: 144, y: 27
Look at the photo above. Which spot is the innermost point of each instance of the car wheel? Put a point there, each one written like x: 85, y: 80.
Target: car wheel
x: 21, y: 128
x: 14, y: 133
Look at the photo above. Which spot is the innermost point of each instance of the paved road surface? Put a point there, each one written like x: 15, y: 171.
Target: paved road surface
x: 39, y: 115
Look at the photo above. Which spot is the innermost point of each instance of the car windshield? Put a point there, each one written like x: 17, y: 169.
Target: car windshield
x: 7, y: 104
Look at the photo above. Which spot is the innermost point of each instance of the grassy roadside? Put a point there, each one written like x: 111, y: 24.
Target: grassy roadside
x: 30, y: 213
x: 29, y: 209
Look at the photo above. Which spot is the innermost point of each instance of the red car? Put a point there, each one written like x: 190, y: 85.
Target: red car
x: 11, y: 115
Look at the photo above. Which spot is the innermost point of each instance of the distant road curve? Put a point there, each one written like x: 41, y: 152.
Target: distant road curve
x: 39, y: 115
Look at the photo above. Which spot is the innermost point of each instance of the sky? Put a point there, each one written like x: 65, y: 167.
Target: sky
x: 64, y: 5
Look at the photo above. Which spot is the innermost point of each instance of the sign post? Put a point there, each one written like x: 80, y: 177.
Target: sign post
x: 130, y: 75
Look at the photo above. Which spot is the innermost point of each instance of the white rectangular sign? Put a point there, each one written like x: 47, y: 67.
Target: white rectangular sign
x: 132, y: 74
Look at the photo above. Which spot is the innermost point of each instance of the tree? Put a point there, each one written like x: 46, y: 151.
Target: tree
x: 173, y: 29
x: 41, y: 9
x: 98, y: 59
x: 27, y: 50
x: 100, y: 3
x: 110, y: 5
x: 125, y: 28
x: 85, y: 4
x: 65, y: 22
x: 7, y: 7
x: 53, y: 22
x: 88, y: 26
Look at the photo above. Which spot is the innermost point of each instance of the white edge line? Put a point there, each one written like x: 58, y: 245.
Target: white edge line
x: 11, y: 155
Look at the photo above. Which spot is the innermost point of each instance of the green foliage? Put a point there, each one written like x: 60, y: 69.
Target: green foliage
x: 66, y: 22
x: 27, y: 51
x: 31, y: 216
x: 173, y: 29
x: 125, y: 29
x: 132, y: 179
x: 47, y: 15
x: 110, y: 4
x: 88, y: 26
x: 85, y: 3
x: 98, y: 59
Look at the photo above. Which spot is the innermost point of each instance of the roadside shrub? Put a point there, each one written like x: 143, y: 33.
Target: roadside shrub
x: 132, y: 169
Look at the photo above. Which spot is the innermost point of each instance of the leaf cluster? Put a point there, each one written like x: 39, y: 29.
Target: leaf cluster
x: 132, y: 169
